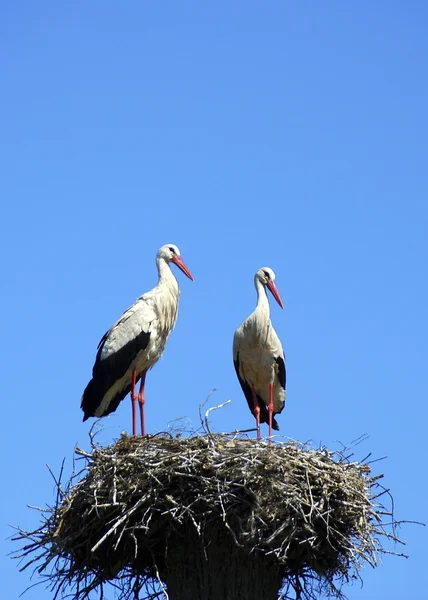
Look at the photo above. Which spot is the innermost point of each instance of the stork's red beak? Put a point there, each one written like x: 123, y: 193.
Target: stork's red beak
x: 274, y: 290
x: 177, y: 260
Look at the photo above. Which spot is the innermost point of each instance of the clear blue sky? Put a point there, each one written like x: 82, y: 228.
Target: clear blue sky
x: 286, y: 134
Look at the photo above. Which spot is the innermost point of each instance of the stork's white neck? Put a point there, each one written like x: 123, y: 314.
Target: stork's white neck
x: 166, y: 276
x: 262, y: 308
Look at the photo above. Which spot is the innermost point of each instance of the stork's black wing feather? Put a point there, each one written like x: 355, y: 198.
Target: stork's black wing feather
x: 107, y: 371
x: 114, y: 366
x: 246, y: 388
x: 281, y: 371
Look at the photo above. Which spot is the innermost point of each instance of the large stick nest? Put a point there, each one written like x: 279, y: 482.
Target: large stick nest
x: 314, y: 514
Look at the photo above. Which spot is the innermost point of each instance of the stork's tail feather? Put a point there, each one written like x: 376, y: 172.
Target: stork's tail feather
x: 90, y: 400
x: 264, y: 414
x: 93, y: 396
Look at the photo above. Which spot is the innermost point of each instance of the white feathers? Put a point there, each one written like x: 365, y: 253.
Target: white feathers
x: 257, y: 348
x: 137, y: 340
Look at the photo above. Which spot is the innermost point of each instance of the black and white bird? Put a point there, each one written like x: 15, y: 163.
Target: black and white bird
x: 259, y: 358
x: 135, y: 343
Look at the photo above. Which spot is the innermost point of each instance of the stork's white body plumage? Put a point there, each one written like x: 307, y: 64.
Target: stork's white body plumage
x: 135, y: 342
x: 259, y: 357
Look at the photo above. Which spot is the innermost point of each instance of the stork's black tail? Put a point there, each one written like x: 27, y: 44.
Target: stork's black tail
x: 93, y: 397
x: 264, y: 413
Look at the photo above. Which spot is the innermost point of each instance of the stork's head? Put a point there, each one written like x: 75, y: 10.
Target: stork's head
x: 267, y: 278
x: 171, y: 253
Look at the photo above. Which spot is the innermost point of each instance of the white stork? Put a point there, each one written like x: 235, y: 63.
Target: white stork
x: 135, y: 343
x: 259, y: 358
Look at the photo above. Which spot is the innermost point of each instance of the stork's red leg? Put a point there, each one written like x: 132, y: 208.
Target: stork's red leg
x: 134, y: 402
x: 270, y: 410
x: 256, y: 412
x: 141, y: 402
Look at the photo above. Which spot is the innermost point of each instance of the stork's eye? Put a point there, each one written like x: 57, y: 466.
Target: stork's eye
x: 171, y: 249
x: 266, y: 274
